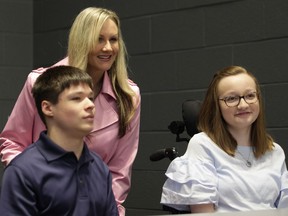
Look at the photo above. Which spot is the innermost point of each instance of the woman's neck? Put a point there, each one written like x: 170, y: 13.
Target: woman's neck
x: 97, y: 88
x: 97, y: 77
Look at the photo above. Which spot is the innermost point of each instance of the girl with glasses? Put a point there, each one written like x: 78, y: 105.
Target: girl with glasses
x: 232, y: 164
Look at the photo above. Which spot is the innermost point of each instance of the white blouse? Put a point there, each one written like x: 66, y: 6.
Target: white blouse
x: 206, y: 174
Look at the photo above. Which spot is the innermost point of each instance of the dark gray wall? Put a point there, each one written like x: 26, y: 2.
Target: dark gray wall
x: 175, y: 47
x: 16, y: 52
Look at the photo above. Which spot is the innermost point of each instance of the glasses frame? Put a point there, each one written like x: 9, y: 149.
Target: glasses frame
x: 239, y: 99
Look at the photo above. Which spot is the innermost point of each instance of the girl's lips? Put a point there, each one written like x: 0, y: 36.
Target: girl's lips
x: 242, y: 113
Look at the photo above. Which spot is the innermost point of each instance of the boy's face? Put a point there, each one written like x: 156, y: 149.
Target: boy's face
x: 74, y: 112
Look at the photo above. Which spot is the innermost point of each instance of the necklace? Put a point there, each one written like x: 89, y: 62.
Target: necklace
x: 248, y: 163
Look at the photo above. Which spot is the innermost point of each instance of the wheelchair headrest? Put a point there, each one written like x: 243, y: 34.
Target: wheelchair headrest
x: 190, y: 111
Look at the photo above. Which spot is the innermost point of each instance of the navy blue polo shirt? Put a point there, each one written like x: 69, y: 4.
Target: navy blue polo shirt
x: 47, y: 180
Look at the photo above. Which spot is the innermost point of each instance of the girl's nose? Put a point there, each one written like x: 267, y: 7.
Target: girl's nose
x: 242, y: 103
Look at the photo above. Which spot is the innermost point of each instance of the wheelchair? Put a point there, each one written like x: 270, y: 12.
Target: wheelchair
x: 190, y: 111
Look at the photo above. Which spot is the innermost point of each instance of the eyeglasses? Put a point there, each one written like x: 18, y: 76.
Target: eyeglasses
x: 233, y: 101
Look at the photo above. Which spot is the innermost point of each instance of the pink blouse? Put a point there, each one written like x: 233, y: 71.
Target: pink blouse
x: 24, y: 126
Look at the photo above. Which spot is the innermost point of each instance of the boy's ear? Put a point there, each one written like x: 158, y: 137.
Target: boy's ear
x: 47, y: 108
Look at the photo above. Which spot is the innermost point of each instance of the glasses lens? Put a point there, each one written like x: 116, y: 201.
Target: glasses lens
x: 232, y: 101
x: 251, y: 97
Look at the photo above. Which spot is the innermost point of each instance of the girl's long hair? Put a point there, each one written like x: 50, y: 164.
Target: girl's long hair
x: 212, y: 123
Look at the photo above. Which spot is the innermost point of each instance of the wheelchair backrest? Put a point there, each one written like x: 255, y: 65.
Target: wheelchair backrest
x: 190, y: 111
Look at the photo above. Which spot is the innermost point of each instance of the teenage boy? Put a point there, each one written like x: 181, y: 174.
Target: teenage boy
x: 58, y: 175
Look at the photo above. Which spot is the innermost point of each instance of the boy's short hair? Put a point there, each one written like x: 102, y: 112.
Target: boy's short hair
x: 55, y: 80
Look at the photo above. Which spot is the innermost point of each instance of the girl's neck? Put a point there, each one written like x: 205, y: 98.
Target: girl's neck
x: 242, y: 137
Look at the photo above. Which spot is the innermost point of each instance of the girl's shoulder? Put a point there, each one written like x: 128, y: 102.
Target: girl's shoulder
x: 202, y: 138
x: 278, y: 149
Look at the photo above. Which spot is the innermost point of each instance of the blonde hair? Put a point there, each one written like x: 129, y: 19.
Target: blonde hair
x: 83, y: 38
x: 212, y: 123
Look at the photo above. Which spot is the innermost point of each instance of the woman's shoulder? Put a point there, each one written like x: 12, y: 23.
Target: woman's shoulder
x: 136, y: 91
x: 37, y: 72
x: 131, y: 82
x: 134, y: 86
x: 33, y: 75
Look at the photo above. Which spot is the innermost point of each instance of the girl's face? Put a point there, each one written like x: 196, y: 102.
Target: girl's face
x: 239, y: 116
x: 105, y: 53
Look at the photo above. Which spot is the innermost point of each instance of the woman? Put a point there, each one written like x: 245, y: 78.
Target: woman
x: 232, y: 164
x: 96, y: 46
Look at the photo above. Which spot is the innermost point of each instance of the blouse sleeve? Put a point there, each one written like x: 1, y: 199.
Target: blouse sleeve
x: 282, y: 201
x: 18, y: 131
x: 24, y: 124
x: 189, y: 182
x: 121, y: 164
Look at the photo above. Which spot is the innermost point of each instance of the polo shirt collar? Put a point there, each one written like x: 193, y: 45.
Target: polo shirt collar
x: 52, y: 151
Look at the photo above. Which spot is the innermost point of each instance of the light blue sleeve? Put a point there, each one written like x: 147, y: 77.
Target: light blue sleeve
x: 189, y: 182
x: 282, y: 201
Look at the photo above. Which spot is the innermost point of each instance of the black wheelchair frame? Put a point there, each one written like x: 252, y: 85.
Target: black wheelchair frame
x: 190, y: 110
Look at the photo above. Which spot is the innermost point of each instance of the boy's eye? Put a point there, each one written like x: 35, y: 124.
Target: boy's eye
x: 76, y: 98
